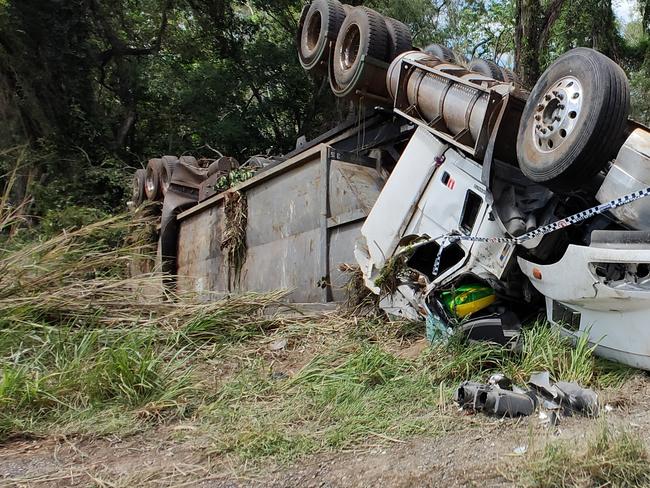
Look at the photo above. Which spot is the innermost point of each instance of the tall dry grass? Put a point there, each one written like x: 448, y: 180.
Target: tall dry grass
x: 82, y: 337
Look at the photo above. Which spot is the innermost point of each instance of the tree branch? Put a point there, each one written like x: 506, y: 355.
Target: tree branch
x: 551, y: 15
x: 484, y: 41
x: 118, y: 46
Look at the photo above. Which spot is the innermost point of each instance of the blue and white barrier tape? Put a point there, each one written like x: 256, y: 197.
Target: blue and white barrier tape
x: 545, y: 229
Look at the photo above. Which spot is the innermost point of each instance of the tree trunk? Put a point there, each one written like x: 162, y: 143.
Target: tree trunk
x: 527, y: 63
x: 604, y: 38
x: 534, y: 23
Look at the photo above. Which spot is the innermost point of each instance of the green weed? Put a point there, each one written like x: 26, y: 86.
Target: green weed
x: 610, y: 458
x: 343, y: 397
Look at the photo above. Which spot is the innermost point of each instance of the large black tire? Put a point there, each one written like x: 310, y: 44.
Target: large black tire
x: 301, y: 27
x: 443, y: 53
x: 574, y: 120
x: 363, y: 33
x: 137, y: 187
x: 169, y: 164
x: 486, y: 67
x: 399, y: 37
x: 320, y: 26
x: 152, y: 179
x: 509, y: 76
x: 224, y: 164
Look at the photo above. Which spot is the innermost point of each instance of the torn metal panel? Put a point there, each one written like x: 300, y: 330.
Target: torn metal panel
x: 567, y: 396
x: 404, y: 303
x: 630, y: 172
x: 396, y: 203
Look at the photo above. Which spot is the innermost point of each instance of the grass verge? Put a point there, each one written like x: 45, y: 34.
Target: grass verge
x: 616, y: 458
x: 86, y: 349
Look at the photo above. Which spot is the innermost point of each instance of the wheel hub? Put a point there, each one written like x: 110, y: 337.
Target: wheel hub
x: 557, y: 113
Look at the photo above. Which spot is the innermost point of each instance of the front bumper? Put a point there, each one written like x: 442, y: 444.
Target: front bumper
x: 615, y: 313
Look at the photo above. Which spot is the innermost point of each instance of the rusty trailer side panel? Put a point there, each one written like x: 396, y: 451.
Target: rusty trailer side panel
x: 201, y: 264
x: 304, y: 217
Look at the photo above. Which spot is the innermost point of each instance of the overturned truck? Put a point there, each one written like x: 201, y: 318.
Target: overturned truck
x: 468, y: 202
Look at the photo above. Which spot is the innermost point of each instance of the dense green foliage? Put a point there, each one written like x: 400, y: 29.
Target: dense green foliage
x: 95, y: 87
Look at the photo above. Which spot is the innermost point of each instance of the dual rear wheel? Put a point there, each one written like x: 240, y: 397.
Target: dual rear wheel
x: 574, y: 120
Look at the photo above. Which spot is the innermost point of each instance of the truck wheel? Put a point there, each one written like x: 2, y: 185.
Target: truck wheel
x: 213, y: 168
x: 399, y: 38
x: 508, y: 75
x: 137, y: 187
x: 363, y: 33
x: 301, y: 27
x: 574, y: 120
x: 152, y: 179
x: 443, y: 53
x: 321, y: 24
x: 486, y: 67
x: 169, y: 164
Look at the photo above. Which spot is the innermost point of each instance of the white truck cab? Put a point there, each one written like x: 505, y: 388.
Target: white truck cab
x: 453, y: 207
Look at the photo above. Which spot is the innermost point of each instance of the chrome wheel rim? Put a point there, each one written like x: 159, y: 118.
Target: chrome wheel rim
x: 557, y: 114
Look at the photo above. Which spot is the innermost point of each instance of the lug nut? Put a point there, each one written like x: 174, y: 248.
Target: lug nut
x: 576, y: 95
x: 538, y: 117
x: 540, y: 107
x: 550, y: 128
x: 560, y: 96
x: 543, y: 131
x: 561, y: 107
x: 547, y: 97
x: 556, y: 118
x: 538, y: 126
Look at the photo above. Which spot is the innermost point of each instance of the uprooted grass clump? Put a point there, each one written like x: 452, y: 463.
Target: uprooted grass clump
x: 233, y: 243
x: 359, y: 299
x: 610, y: 457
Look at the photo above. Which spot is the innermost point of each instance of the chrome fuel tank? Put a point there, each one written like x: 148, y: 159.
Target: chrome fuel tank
x: 630, y: 172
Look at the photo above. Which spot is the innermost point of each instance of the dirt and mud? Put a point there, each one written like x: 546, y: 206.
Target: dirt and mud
x: 484, y: 451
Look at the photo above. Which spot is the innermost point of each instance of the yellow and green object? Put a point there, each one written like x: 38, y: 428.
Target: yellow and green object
x: 468, y: 299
